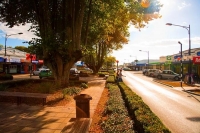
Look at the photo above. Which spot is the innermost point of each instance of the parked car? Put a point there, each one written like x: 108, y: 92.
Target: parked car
x: 168, y: 74
x: 74, y: 70
x: 45, y: 73
x: 74, y: 74
x: 144, y: 71
x: 37, y: 71
x: 150, y: 72
x: 88, y: 69
x: 155, y: 74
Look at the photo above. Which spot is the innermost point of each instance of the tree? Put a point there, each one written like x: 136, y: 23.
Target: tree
x: 22, y: 48
x: 108, y: 27
x: 109, y: 62
x: 58, y: 25
x: 65, y: 31
x: 1, y: 46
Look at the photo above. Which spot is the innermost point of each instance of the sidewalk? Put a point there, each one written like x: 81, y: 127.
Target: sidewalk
x: 39, y: 119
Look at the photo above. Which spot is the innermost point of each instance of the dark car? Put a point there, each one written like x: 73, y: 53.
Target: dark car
x: 144, y: 71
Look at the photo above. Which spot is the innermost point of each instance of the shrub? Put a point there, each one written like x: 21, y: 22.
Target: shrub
x: 46, y: 87
x: 145, y: 120
x: 110, y: 79
x: 117, y: 115
x: 3, y: 87
x: 6, y: 77
x: 102, y: 74
x: 71, y: 91
x: 84, y: 85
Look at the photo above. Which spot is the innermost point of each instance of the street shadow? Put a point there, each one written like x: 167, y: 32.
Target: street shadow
x: 196, y: 119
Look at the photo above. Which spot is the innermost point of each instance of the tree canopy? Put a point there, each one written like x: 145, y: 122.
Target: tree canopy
x: 69, y: 30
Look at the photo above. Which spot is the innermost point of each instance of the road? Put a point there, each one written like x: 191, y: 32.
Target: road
x: 178, y: 110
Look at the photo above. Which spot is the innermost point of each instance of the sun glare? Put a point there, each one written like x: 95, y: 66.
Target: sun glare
x: 164, y: 2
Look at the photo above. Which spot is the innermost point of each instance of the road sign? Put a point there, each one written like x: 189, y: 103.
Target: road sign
x: 168, y: 58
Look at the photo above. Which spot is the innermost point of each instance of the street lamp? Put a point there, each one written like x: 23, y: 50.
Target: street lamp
x: 181, y: 64
x: 189, y: 51
x: 148, y: 56
x: 6, y: 37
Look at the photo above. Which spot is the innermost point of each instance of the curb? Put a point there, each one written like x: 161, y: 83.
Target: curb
x: 188, y: 91
x: 162, y: 83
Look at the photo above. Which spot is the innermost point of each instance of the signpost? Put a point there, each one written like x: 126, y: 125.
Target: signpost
x: 168, y: 60
x: 117, y: 64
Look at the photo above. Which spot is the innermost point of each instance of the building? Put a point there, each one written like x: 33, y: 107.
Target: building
x: 16, y: 61
x: 173, y: 62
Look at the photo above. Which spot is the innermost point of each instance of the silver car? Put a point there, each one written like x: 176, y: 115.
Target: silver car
x: 150, y: 72
x: 168, y: 74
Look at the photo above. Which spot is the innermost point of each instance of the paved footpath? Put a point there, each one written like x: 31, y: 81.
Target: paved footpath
x: 39, y: 119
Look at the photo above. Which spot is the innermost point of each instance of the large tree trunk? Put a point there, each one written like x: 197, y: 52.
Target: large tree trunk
x: 60, y: 44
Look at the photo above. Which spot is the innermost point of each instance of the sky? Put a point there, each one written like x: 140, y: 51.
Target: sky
x: 157, y: 38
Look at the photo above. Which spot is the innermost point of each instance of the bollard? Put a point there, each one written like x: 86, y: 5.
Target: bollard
x: 83, y: 105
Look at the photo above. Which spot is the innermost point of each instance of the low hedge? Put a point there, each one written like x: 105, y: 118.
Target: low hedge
x: 117, y: 117
x: 6, y: 77
x: 145, y: 120
x: 110, y: 79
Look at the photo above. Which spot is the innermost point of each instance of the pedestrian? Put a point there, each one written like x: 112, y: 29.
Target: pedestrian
x: 117, y: 75
x: 120, y: 75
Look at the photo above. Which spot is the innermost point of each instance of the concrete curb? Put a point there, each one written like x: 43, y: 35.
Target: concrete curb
x: 162, y: 83
x: 188, y: 91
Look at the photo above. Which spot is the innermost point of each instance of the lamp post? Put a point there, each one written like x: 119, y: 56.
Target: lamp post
x: 148, y: 56
x: 189, y: 51
x: 181, y: 65
x: 6, y: 37
x: 5, y: 54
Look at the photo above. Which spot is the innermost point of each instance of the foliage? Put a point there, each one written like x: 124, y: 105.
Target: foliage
x: 46, y: 87
x: 3, y: 87
x: 84, y: 85
x: 68, y: 30
x: 110, y: 79
x: 145, y: 120
x: 5, y: 76
x: 22, y: 48
x: 117, y: 115
x: 1, y: 46
x: 102, y: 74
x: 71, y: 91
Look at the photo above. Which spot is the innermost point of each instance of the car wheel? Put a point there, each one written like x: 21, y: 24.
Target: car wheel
x: 159, y: 77
x: 176, y: 78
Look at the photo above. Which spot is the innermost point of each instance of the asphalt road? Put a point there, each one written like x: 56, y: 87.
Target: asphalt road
x: 179, y: 111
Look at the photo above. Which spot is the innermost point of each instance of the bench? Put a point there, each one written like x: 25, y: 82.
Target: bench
x: 21, y: 95
x: 77, y: 125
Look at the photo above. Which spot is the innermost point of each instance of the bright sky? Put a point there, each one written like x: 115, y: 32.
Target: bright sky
x: 157, y: 38
x: 160, y: 39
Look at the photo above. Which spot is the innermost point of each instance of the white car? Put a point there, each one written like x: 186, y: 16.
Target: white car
x: 37, y: 72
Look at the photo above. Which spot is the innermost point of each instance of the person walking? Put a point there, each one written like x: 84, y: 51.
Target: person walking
x: 120, y: 75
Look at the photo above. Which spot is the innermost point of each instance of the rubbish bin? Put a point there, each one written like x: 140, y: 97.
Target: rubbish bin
x: 83, y: 105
